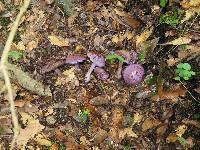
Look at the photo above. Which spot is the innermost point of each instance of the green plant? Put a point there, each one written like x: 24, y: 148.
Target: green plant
x: 184, y: 71
x: 163, y: 3
x: 15, y: 54
x: 82, y: 116
x: 113, y: 57
x: 66, y: 5
x: 141, y: 57
x: 171, y: 20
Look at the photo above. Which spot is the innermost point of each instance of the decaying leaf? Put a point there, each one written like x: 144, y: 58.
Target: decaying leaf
x: 127, y: 19
x: 117, y: 116
x: 160, y: 131
x: 33, y: 127
x: 179, y: 41
x: 99, y: 136
x: 190, y: 52
x: 68, y: 78
x: 42, y: 140
x: 24, y: 79
x: 143, y: 36
x: 172, y: 95
x: 171, y: 138
x: 181, y: 130
x: 137, y: 118
x: 197, y: 90
x: 127, y: 132
x: 150, y: 123
x: 57, y: 40
x: 192, y: 122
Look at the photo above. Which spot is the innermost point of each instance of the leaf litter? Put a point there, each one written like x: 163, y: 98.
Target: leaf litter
x: 48, y: 101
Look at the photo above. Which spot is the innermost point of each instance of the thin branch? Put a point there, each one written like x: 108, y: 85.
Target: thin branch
x: 4, y: 60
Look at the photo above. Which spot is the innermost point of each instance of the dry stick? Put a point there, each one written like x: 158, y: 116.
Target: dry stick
x: 4, y: 60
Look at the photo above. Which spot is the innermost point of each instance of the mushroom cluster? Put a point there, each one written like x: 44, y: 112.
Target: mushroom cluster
x: 132, y: 74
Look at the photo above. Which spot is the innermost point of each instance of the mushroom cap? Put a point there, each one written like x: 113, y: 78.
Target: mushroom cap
x: 125, y: 54
x: 101, y: 73
x: 74, y: 59
x: 97, y: 59
x: 133, y: 74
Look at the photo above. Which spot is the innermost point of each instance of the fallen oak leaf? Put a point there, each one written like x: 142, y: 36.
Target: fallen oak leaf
x: 57, y: 40
x: 33, y: 127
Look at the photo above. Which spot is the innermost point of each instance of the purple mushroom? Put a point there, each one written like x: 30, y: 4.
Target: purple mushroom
x: 126, y: 55
x: 101, y: 73
x: 75, y: 59
x: 54, y: 64
x: 97, y: 61
x: 133, y: 74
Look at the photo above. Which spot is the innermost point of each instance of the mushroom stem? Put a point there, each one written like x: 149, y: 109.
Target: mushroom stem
x: 88, y: 74
x: 119, y: 71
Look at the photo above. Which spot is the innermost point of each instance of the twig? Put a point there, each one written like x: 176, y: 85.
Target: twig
x: 4, y: 60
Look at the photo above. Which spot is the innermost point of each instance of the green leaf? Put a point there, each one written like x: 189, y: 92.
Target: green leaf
x: 186, y: 78
x: 66, y: 5
x: 186, y: 66
x: 182, y: 140
x: 111, y: 56
x: 180, y: 65
x: 121, y: 59
x: 177, y: 78
x: 185, y: 72
x: 15, y: 54
x: 192, y: 73
x: 163, y: 3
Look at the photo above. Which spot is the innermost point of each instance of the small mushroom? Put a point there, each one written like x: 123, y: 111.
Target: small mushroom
x: 97, y: 61
x: 75, y: 59
x: 126, y: 55
x: 133, y: 74
x: 101, y: 73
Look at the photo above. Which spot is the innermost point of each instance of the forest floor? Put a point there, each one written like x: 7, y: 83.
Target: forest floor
x: 161, y: 112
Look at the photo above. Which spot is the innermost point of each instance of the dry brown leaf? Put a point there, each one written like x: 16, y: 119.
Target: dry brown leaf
x: 2, y: 6
x: 68, y: 78
x: 192, y: 122
x: 181, y: 130
x: 127, y: 132
x: 114, y: 134
x: 191, y: 3
x: 143, y: 36
x: 99, y: 137
x: 117, y: 116
x: 42, y: 140
x: 188, y: 14
x: 127, y: 19
x: 33, y: 127
x: 179, y: 41
x: 57, y: 40
x: 171, y: 138
x: 84, y: 141
x: 160, y: 131
x: 150, y: 123
x: 137, y: 118
x: 172, y: 95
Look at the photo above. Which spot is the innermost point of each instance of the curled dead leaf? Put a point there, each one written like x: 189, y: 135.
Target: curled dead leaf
x: 127, y: 132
